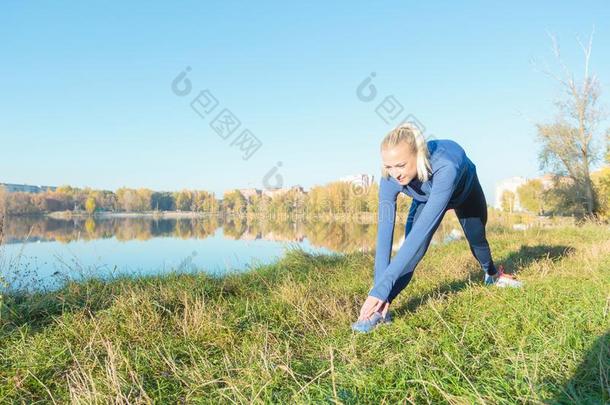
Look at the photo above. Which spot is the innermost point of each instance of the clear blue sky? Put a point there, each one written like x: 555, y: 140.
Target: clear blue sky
x: 86, y: 96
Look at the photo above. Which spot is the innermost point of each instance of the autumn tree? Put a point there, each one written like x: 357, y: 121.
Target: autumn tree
x: 204, y: 202
x: 531, y: 196
x: 184, y: 200
x: 316, y: 199
x: 508, y: 199
x: 90, y: 205
x: 128, y: 199
x: 234, y: 201
x: 2, y: 210
x: 601, y: 181
x: 144, y: 197
x: 64, y: 195
x: 106, y: 200
x: 372, y: 198
x: 356, y: 199
x: 568, y: 143
x: 21, y: 203
x: 255, y: 205
x: 293, y: 201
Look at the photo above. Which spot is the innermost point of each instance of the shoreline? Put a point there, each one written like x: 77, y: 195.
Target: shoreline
x: 154, y: 214
x: 361, y: 217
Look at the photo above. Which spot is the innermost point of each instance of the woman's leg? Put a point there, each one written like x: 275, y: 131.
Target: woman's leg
x: 472, y: 214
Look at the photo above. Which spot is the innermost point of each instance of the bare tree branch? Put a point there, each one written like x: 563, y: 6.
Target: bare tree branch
x: 568, y: 143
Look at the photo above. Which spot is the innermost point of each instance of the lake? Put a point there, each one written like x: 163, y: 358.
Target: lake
x: 42, y: 252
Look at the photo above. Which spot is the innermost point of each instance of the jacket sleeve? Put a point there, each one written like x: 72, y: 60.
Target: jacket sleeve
x: 421, y: 232
x: 386, y: 215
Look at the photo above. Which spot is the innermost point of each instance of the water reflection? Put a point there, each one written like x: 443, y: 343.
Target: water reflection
x: 340, y: 237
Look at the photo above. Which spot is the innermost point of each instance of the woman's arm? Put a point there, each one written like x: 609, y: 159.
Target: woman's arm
x: 386, y: 215
x: 431, y: 215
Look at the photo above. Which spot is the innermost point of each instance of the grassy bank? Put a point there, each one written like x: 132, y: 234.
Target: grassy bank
x: 281, y: 333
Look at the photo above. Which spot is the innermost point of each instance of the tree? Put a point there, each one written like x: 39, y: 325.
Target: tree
x: 203, y: 201
x: 90, y: 205
x: 127, y: 199
x: 21, y: 203
x: 601, y: 181
x: 315, y: 200
x: 234, y: 201
x: 211, y: 203
x: 2, y: 210
x: 531, y: 196
x: 568, y: 143
x: 162, y: 201
x: 608, y: 146
x: 106, y: 200
x: 144, y: 198
x: 372, y: 198
x: 2, y: 201
x: 255, y: 204
x: 80, y: 198
x: 65, y: 189
x: 65, y: 196
x: 338, y: 196
x: 184, y: 200
x: 508, y: 201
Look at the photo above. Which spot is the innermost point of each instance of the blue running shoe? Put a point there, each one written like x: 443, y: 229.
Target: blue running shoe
x: 368, y: 325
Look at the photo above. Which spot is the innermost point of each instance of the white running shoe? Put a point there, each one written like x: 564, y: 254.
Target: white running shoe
x: 502, y: 279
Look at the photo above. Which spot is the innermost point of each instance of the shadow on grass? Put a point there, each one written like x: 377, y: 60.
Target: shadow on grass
x: 521, y: 258
x: 453, y: 287
x: 590, y: 383
x: 529, y: 254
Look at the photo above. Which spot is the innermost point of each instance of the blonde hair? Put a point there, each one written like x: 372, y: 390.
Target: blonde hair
x: 412, y: 136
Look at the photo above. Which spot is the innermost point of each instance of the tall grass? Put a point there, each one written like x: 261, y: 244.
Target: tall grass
x: 280, y: 334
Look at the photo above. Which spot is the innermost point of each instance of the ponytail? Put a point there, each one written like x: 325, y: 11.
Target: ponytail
x: 412, y: 136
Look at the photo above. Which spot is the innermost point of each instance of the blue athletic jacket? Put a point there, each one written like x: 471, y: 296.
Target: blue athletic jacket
x: 449, y: 184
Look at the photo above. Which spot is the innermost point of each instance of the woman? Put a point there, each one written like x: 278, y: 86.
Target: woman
x: 438, y: 176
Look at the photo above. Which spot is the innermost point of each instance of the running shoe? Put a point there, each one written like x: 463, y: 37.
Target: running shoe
x: 367, y: 325
x: 501, y: 279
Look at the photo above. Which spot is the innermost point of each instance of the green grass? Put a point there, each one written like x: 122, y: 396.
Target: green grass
x: 281, y: 333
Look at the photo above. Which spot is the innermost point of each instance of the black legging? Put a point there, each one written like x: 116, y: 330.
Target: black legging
x: 472, y: 214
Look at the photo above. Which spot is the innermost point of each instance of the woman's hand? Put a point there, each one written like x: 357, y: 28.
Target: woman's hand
x: 369, y: 307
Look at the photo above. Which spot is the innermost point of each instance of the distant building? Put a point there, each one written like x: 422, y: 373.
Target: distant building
x: 299, y: 189
x: 25, y: 188
x: 362, y: 180
x: 279, y: 191
x: 273, y: 192
x: 248, y: 193
x: 547, y: 180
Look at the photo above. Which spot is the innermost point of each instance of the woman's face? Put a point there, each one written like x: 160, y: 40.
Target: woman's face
x: 400, y: 162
